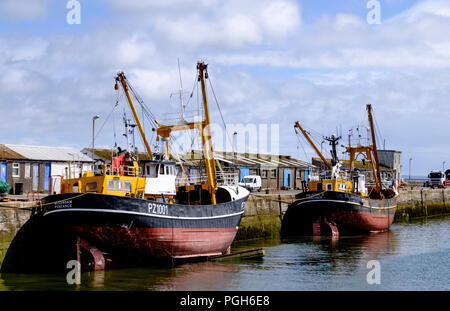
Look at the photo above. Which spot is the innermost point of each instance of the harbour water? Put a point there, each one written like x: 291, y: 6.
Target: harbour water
x: 411, y: 256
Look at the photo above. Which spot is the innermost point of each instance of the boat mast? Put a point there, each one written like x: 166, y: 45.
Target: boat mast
x: 377, y: 173
x: 204, y: 128
x: 123, y: 80
x: 297, y: 124
x: 206, y: 139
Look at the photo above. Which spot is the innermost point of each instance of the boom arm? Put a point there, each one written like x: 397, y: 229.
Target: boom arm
x: 297, y: 124
x: 123, y: 80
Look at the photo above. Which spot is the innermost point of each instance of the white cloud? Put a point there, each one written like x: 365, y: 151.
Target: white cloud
x: 23, y: 10
x: 267, y: 66
x: 231, y: 24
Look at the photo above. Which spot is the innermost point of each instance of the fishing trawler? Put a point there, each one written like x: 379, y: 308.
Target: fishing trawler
x: 132, y: 209
x: 340, y: 201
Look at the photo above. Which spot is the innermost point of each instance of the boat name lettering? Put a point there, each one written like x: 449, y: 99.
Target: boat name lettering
x: 64, y: 204
x: 155, y: 208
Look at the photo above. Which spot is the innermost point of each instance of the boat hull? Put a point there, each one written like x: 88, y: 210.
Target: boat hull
x: 127, y: 229
x: 349, y: 212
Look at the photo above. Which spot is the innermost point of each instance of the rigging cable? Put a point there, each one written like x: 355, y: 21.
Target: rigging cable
x: 109, y: 115
x: 221, y: 115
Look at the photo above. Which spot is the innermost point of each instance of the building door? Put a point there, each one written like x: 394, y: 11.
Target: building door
x: 47, y: 177
x: 4, y: 172
x: 245, y: 171
x: 287, y: 178
x: 35, y: 176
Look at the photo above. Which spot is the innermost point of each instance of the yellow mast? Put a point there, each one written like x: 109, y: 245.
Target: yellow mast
x: 122, y: 79
x: 205, y: 133
x: 209, y: 152
x: 297, y: 124
x: 374, y: 150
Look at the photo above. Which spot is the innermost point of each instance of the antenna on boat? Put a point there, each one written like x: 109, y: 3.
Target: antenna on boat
x: 333, y: 142
x: 183, y: 107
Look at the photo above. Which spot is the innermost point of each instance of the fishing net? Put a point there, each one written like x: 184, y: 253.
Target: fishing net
x: 4, y: 187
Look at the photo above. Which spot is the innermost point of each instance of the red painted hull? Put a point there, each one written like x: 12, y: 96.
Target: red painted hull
x: 363, y: 221
x: 338, y: 213
x: 162, y: 242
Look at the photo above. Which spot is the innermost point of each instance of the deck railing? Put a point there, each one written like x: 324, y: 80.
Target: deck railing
x: 125, y: 170
x: 223, y: 179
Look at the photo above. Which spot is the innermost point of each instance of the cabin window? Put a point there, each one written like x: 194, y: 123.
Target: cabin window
x: 91, y: 186
x: 319, y: 186
x: 167, y: 170
x: 343, y: 187
x: 75, y: 188
x: 151, y: 170
x: 118, y: 185
x: 16, y: 170
x: 329, y: 187
x: 161, y: 169
x: 128, y: 186
x: 111, y: 185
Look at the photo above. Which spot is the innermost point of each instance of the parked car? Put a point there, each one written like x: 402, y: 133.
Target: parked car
x: 251, y: 182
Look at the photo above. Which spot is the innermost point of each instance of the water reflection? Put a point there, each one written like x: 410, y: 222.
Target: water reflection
x: 345, y: 254
x: 295, y: 263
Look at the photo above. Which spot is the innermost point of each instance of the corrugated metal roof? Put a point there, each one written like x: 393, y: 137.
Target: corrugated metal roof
x: 44, y: 153
x: 8, y: 154
x: 249, y: 159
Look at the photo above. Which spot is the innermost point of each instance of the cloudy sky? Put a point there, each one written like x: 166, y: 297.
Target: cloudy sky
x: 271, y: 63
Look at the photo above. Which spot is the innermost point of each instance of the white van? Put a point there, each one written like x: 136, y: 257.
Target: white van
x: 251, y: 182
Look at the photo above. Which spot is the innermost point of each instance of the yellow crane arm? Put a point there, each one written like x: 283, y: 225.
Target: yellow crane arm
x: 123, y: 80
x: 297, y: 124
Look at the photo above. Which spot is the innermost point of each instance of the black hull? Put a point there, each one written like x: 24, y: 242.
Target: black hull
x: 351, y: 213
x: 124, y: 229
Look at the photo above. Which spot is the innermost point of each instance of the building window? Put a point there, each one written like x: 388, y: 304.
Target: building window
x: 264, y: 173
x: 16, y: 170
x: 273, y: 173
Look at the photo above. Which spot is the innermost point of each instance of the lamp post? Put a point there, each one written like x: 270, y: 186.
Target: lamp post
x: 410, y: 159
x: 235, y: 147
x: 93, y: 135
